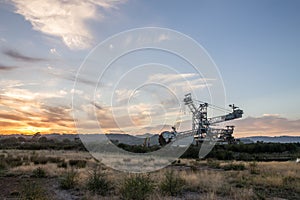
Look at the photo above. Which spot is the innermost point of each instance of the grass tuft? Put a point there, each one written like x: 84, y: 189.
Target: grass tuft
x: 69, y: 180
x: 39, y: 173
x: 33, y: 191
x: 136, y: 187
x: 98, y: 183
x: 172, y: 184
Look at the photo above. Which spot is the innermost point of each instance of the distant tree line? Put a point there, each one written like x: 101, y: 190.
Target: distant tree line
x: 249, y: 152
x: 138, y: 148
x: 40, y: 143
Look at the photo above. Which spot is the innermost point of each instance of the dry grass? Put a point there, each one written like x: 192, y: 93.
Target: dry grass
x: 280, y: 168
x: 203, y: 181
x: 271, y: 179
x: 242, y: 193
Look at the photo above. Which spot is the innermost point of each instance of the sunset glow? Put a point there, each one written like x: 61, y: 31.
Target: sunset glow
x: 41, y: 52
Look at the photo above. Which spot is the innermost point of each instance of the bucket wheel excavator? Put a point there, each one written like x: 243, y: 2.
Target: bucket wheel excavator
x: 203, y: 127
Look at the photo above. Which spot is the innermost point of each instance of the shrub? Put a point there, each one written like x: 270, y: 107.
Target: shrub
x: 39, y: 160
x: 172, y: 184
x: 194, y: 168
x: 291, y: 182
x: 39, y: 173
x: 54, y: 159
x: 137, y: 187
x: 62, y: 164
x: 213, y: 163
x: 69, y: 180
x: 77, y: 163
x: 33, y: 191
x: 233, y: 166
x: 14, y: 161
x: 25, y: 158
x: 3, y: 164
x: 98, y: 183
x: 253, y: 168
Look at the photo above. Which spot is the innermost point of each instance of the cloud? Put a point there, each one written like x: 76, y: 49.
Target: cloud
x: 69, y: 76
x: 3, y: 40
x: 163, y: 37
x: 182, y: 83
x: 7, y: 68
x: 31, y: 116
x: 24, y: 111
x: 270, y: 125
x: 11, y: 117
x: 132, y: 119
x: 10, y: 83
x: 6, y: 124
x: 181, y: 80
x: 167, y: 78
x: 64, y: 18
x: 271, y: 115
x: 18, y: 56
x: 54, y: 52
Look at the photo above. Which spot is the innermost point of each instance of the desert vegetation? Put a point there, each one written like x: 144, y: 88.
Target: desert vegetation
x: 50, y: 169
x: 61, y: 174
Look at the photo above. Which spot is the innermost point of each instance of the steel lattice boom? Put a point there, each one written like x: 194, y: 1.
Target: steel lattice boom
x: 202, y: 126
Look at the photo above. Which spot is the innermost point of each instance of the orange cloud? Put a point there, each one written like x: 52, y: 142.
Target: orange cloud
x: 267, y: 125
x: 25, y: 112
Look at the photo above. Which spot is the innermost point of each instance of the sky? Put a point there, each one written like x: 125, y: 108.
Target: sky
x: 254, y: 44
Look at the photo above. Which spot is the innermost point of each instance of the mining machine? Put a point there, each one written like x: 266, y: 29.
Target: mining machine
x: 204, y: 127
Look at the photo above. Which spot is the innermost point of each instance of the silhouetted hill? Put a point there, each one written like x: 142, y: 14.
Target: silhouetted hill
x: 139, y: 139
x: 278, y: 139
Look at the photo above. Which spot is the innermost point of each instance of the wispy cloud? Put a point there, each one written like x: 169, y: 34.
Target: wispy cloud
x: 270, y: 125
x: 21, y: 57
x: 7, y: 68
x: 54, y: 52
x: 70, y: 76
x: 27, y: 112
x: 64, y: 18
x: 3, y: 40
x: 10, y: 83
x: 11, y: 117
x: 183, y: 83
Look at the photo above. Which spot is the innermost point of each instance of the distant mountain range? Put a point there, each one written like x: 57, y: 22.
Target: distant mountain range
x: 115, y: 137
x: 134, y: 140
x: 277, y: 139
x: 139, y: 139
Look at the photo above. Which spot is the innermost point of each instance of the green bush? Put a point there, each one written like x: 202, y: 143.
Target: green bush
x: 69, y: 180
x: 253, y: 168
x: 172, y: 184
x: 213, y: 163
x: 3, y: 164
x: 54, y: 159
x: 291, y: 182
x: 77, y: 163
x: 98, y: 183
x: 136, y: 187
x: 33, y: 191
x: 25, y: 158
x: 39, y: 160
x: 62, y: 164
x: 39, y: 173
x: 13, y: 161
x: 233, y: 166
